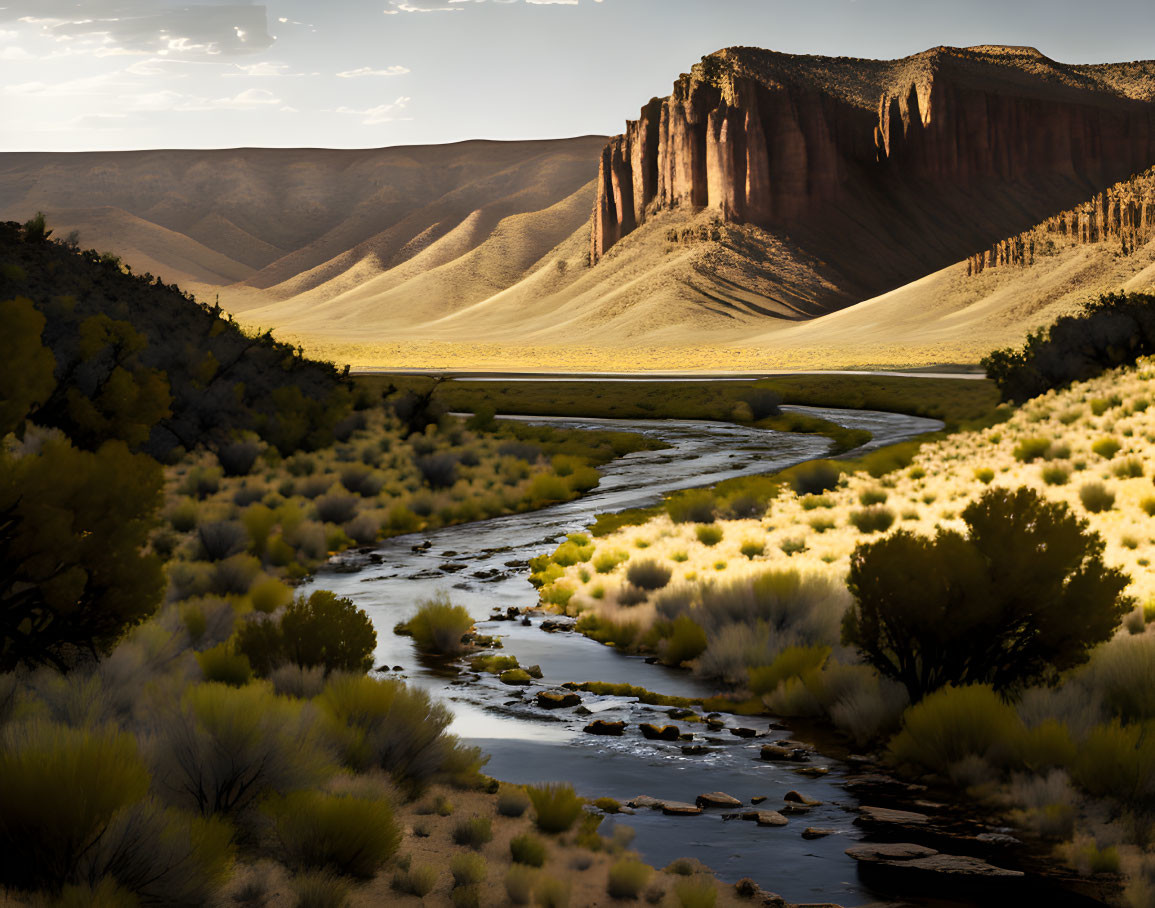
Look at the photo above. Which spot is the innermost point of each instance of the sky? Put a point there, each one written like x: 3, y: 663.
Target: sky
x: 80, y: 75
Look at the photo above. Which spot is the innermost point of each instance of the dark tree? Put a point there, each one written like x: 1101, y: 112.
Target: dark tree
x: 1024, y: 596
x: 73, y: 525
x: 1113, y: 331
x: 323, y: 630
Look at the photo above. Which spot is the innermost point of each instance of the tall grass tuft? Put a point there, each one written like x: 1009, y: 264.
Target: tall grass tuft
x: 556, y: 806
x: 347, y: 835
x: 439, y: 625
x: 627, y: 878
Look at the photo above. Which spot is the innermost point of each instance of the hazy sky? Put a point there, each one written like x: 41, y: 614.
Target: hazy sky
x: 109, y: 74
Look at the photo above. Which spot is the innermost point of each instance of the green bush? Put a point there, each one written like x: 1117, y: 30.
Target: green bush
x: 1130, y: 468
x: 465, y: 897
x: 815, y: 477
x: 60, y: 789
x: 468, y: 869
x: 1031, y: 449
x: 328, y: 631
x: 352, y: 836
x: 1112, y: 331
x: 752, y: 548
x: 418, y: 880
x: 527, y: 849
x: 473, y: 832
x: 867, y: 497
x: 1056, y: 475
x: 648, y: 575
x: 985, y: 475
x: 683, y: 639
x: 955, y: 723
x: 1096, y: 497
x: 1024, y: 597
x: 1106, y: 447
x: 551, y: 892
x: 225, y: 664
x: 1118, y: 762
x: 512, y: 802
x: 387, y: 725
x: 439, y: 625
x: 320, y: 890
x: 708, y: 534
x: 875, y: 519
x: 692, y: 506
x: 792, y: 662
x: 224, y: 748
x: 519, y: 881
x: 696, y: 893
x: 627, y: 878
x: 607, y: 561
x: 556, y: 806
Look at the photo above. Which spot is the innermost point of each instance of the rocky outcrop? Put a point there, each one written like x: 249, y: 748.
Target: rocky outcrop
x: 772, y: 139
x: 1123, y: 216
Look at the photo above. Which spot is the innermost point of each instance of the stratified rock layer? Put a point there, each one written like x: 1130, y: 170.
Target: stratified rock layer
x: 774, y: 139
x: 1123, y: 215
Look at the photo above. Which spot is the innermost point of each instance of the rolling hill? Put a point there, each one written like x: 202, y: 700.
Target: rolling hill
x: 775, y: 211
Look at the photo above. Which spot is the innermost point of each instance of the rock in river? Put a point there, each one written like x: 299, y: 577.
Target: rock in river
x: 603, y: 727
x: 670, y: 808
x: 796, y: 797
x: 660, y: 733
x: 885, y: 816
x: 907, y: 857
x: 717, y: 799
x: 557, y: 699
x: 780, y: 754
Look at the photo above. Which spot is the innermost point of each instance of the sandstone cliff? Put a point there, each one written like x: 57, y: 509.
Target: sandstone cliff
x: 937, y: 154
x: 1124, y: 216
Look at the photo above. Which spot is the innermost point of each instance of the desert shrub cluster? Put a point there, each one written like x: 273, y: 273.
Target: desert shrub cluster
x: 173, y: 716
x: 992, y: 631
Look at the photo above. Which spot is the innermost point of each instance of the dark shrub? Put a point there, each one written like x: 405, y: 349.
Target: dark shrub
x: 352, y: 836
x: 336, y: 508
x: 237, y: 458
x: 361, y: 481
x: 438, y: 470
x: 556, y: 806
x: 1115, y: 330
x: 438, y: 626
x: 815, y: 477
x: 1025, y: 596
x: 328, y: 631
x: 527, y: 849
x: 473, y: 832
x: 694, y: 506
x: 221, y: 539
x: 763, y: 402
x: 520, y: 450
x: 648, y: 575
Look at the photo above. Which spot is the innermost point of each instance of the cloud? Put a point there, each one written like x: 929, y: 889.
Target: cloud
x: 207, y: 27
x: 263, y: 69
x: 249, y: 99
x: 385, y: 113
x: 369, y: 71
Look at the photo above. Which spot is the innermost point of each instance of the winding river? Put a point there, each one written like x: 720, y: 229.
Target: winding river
x: 482, y: 566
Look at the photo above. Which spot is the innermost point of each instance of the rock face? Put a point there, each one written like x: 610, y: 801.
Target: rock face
x: 774, y: 139
x: 1124, y: 216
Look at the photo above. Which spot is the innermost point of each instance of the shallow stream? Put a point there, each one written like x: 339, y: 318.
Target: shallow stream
x: 481, y: 566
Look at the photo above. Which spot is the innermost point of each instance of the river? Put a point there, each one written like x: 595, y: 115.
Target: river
x: 481, y: 566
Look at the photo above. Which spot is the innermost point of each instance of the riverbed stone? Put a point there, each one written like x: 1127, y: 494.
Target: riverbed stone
x: 605, y: 727
x: 761, y: 817
x: 781, y: 754
x: 515, y: 676
x: 887, y: 816
x: 558, y: 623
x: 748, y: 889
x: 680, y: 809
x: 907, y: 856
x: 813, y: 771
x: 758, y: 799
x: 741, y: 732
x: 660, y: 733
x: 797, y: 797
x: 680, y: 712
x: 717, y: 799
x: 696, y: 750
x: 815, y: 832
x: 557, y: 699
